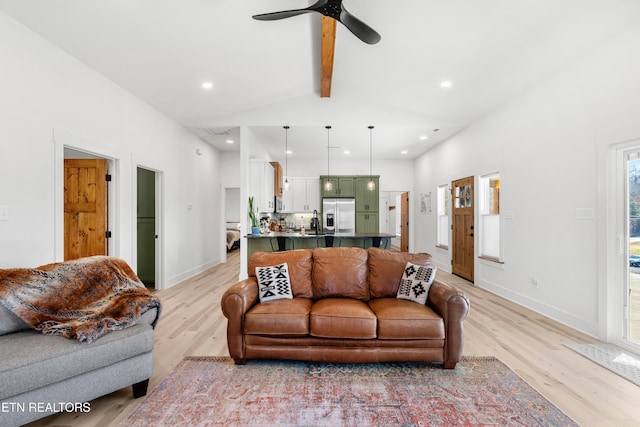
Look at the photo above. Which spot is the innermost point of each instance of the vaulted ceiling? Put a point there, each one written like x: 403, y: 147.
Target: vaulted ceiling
x: 267, y: 74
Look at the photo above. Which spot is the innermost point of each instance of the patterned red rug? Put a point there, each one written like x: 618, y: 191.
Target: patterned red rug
x: 212, y: 391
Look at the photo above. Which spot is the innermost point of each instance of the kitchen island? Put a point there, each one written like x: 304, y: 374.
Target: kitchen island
x: 276, y: 240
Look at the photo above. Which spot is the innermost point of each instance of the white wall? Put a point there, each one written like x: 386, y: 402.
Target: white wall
x: 544, y: 143
x: 230, y: 169
x: 232, y: 205
x: 49, y: 99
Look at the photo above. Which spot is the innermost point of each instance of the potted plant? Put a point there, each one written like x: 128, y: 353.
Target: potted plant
x: 255, y: 225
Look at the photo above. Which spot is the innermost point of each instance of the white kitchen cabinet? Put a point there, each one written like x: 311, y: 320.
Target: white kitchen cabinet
x: 287, y: 198
x: 303, y: 195
x: 261, y: 179
x: 306, y: 194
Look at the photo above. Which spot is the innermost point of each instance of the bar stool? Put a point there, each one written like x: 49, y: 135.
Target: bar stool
x: 328, y: 241
x: 377, y: 242
x: 282, y: 243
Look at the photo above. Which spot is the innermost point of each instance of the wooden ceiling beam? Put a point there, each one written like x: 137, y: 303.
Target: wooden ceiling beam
x: 326, y: 52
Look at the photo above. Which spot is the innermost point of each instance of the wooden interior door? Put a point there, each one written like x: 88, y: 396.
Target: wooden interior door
x: 462, y: 227
x: 85, y: 208
x: 404, y: 222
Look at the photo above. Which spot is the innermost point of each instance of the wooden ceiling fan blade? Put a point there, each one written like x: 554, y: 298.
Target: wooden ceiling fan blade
x: 359, y: 28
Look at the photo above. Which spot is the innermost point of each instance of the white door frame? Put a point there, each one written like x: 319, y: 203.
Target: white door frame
x: 138, y: 162
x: 64, y: 139
x: 616, y: 292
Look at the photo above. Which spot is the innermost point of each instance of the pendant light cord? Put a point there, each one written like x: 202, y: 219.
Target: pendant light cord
x: 286, y: 154
x: 371, y: 186
x: 370, y: 153
x: 328, y: 149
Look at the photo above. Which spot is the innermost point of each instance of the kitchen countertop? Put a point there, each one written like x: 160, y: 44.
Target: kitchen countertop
x: 297, y: 235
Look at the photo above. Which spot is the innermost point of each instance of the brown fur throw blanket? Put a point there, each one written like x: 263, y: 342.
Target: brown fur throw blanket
x: 81, y: 299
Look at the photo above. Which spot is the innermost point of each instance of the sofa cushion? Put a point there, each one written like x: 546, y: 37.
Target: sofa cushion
x: 273, y: 282
x: 386, y: 269
x: 279, y: 317
x: 31, y: 360
x: 342, y: 318
x: 300, y: 264
x: 340, y: 272
x: 9, y: 322
x: 400, y: 319
x: 416, y: 281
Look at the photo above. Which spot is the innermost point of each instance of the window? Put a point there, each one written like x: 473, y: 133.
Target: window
x: 490, y: 233
x: 443, y: 216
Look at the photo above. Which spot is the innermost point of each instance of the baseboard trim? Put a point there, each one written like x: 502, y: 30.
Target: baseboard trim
x: 174, y: 280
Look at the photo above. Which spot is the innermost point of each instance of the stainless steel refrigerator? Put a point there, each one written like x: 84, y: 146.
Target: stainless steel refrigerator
x: 339, y: 216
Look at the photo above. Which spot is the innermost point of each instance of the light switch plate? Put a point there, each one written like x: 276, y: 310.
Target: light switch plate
x: 584, y: 213
x: 4, y: 213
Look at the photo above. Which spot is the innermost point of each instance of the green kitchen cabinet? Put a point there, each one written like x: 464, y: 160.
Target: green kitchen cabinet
x: 342, y: 186
x: 367, y: 222
x: 367, y: 200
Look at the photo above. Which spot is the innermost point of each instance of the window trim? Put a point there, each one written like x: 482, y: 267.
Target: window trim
x: 446, y: 187
x: 483, y: 211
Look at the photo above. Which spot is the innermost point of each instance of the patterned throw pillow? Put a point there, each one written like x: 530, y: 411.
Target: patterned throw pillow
x: 273, y: 282
x: 416, y: 281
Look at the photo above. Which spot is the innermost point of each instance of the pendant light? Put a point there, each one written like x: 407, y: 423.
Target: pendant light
x: 286, y: 158
x: 371, y: 185
x: 328, y: 185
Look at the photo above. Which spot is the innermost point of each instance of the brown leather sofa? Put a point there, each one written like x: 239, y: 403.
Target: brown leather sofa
x: 344, y: 310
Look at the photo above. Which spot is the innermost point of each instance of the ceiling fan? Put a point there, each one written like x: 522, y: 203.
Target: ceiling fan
x: 332, y: 9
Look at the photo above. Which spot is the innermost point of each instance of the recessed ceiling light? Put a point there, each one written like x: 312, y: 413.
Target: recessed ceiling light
x: 423, y: 137
x: 289, y: 152
x: 229, y: 141
x: 207, y: 85
x: 347, y: 151
x: 404, y: 152
x: 445, y: 83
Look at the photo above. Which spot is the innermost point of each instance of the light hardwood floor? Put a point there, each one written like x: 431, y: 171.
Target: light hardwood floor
x: 530, y: 344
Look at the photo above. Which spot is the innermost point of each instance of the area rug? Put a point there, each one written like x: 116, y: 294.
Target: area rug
x: 215, y: 392
x: 611, y: 357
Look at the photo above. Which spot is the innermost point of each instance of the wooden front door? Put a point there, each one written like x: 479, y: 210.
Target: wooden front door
x: 404, y: 222
x: 462, y: 227
x: 85, y: 208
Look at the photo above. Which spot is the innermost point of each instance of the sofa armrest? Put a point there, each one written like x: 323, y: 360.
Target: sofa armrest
x: 453, y: 305
x: 149, y: 317
x: 235, y: 303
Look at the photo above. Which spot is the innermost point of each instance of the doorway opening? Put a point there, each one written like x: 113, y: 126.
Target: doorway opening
x: 146, y: 226
x: 394, y: 218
